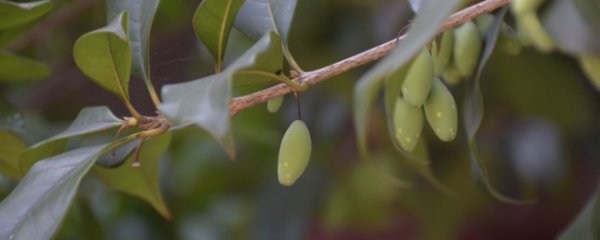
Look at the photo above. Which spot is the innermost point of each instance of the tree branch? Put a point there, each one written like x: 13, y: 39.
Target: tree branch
x: 313, y: 77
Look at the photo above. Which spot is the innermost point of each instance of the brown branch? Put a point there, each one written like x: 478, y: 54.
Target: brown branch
x: 313, y: 77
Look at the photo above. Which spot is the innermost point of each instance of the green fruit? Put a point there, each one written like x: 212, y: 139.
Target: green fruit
x: 408, y: 124
x: 519, y: 7
x: 417, y: 82
x: 451, y: 75
x: 508, y: 42
x: 440, y: 111
x: 294, y: 153
x: 535, y: 32
x: 467, y: 47
x: 591, y: 67
x: 274, y: 104
x: 484, y: 22
x: 443, y: 54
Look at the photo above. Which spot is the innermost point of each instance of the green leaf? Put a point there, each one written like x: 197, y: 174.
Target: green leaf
x: 36, y: 207
x: 589, y: 9
x: 89, y: 120
x: 10, y: 150
x: 205, y: 102
x: 258, y: 17
x: 143, y: 181
x: 212, y: 23
x: 9, y: 35
x: 569, y: 29
x: 17, y: 68
x: 587, y: 223
x: 423, y: 28
x: 141, y: 15
x: 473, y: 113
x: 14, y: 14
x: 104, y: 55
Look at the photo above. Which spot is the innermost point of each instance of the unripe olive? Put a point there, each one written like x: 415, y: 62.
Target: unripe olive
x: 417, y: 82
x: 467, y: 47
x: 484, y: 22
x: 294, y: 153
x: 443, y: 53
x: 408, y: 124
x: 274, y: 104
x: 508, y: 41
x: 535, y: 32
x: 519, y: 7
x: 591, y: 67
x: 440, y: 111
x: 451, y: 75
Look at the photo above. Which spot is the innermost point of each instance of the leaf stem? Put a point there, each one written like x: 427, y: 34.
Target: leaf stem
x: 281, y: 78
x: 291, y: 61
x: 132, y: 110
x: 153, y: 93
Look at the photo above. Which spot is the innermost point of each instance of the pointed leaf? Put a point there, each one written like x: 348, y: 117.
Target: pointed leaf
x: 14, y: 14
x: 569, y: 29
x: 104, y: 55
x: 473, y: 112
x: 258, y: 17
x: 141, y: 182
x: 212, y: 23
x: 11, y: 148
x: 205, y: 102
x: 17, y: 68
x: 89, y: 120
x: 141, y: 15
x: 266, y: 56
x: 416, y: 5
x: 422, y: 29
x: 36, y: 207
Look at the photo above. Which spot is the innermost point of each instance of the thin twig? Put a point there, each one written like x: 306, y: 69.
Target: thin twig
x: 313, y: 77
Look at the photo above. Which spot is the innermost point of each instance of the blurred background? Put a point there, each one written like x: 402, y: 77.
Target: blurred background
x: 540, y: 138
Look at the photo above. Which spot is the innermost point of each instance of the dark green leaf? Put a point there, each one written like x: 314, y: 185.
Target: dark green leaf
x: 473, y: 112
x: 36, y: 207
x: 11, y: 148
x: 14, y: 14
x: 10, y: 118
x: 118, y: 156
x: 589, y: 9
x: 422, y: 29
x: 571, y: 32
x: 9, y: 35
x: 258, y: 17
x: 143, y: 181
x: 212, y: 23
x: 104, y: 55
x: 141, y: 15
x: 89, y: 120
x: 205, y: 102
x: 17, y: 68
x: 587, y: 223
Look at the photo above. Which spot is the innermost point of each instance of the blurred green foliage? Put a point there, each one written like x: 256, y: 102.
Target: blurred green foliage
x: 338, y: 197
